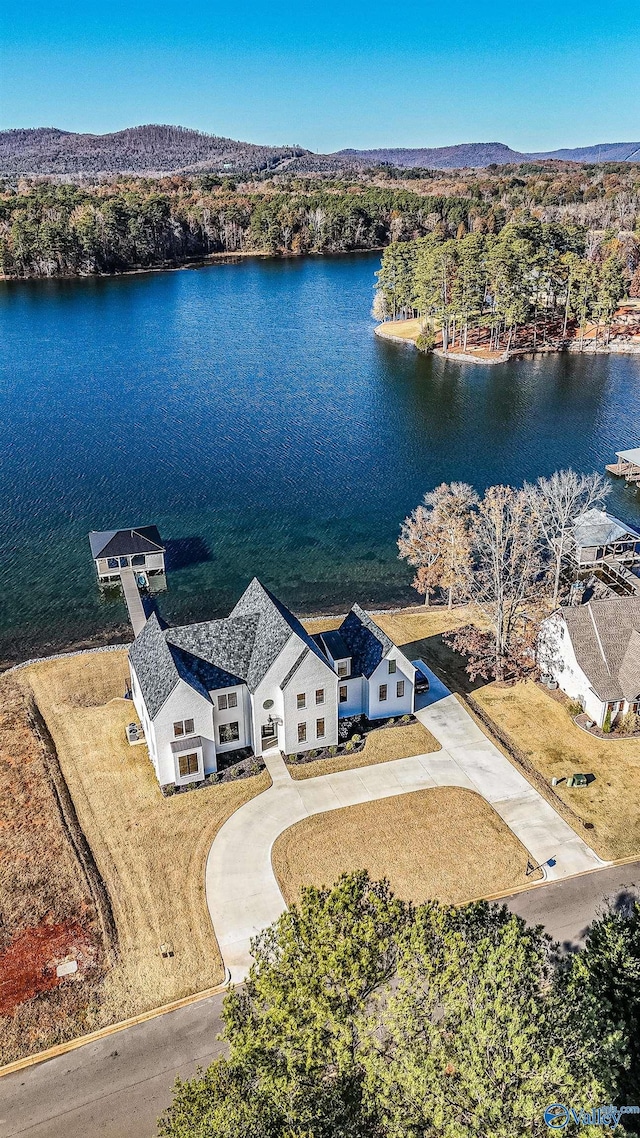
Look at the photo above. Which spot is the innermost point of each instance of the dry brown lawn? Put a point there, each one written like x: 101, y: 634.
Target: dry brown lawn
x: 381, y: 746
x: 151, y: 851
x: 542, y: 729
x: 400, y: 329
x: 447, y: 844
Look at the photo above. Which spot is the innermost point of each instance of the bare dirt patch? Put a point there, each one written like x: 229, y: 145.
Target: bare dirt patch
x: 48, y: 908
x: 150, y: 850
x: 446, y: 843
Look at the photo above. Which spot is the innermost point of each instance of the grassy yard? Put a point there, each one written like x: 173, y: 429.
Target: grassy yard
x: 541, y: 728
x: 444, y: 843
x: 150, y: 850
x: 381, y: 746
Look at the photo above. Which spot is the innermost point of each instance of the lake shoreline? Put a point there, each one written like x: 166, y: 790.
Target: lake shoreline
x: 588, y: 347
x: 112, y: 639
x: 190, y: 263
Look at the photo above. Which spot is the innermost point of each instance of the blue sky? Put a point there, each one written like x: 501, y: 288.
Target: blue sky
x: 536, y: 75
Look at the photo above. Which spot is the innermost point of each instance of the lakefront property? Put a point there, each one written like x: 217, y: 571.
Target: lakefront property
x: 257, y: 679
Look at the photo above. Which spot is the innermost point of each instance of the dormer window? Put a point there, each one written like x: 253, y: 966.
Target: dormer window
x: 344, y: 668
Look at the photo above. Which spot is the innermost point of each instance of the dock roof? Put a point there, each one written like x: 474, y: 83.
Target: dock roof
x: 632, y: 455
x: 596, y: 527
x: 125, y: 542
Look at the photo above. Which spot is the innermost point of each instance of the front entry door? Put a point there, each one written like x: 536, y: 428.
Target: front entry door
x: 269, y: 735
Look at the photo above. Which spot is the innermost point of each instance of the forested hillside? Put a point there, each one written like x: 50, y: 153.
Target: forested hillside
x: 139, y: 150
x: 48, y: 228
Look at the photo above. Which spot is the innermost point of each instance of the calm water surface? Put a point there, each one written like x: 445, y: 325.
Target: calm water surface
x: 249, y: 411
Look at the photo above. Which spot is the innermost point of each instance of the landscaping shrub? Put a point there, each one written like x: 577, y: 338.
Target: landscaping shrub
x: 630, y: 723
x: 349, y: 746
x: 606, y: 726
x: 574, y: 707
x: 333, y: 750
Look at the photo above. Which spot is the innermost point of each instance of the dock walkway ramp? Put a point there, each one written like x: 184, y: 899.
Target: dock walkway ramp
x: 133, y: 599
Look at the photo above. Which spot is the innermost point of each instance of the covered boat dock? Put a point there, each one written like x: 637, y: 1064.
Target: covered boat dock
x: 627, y: 466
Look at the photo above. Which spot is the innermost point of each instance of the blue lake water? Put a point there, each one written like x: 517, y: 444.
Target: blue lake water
x: 248, y: 410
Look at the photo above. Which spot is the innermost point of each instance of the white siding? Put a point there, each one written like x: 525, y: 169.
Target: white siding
x: 313, y: 673
x: 393, y: 705
x: 183, y: 703
x: 239, y: 714
x: 558, y: 660
x: 357, y: 695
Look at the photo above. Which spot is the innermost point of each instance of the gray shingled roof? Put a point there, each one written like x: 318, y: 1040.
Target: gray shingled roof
x: 335, y: 644
x: 605, y: 636
x: 217, y: 653
x: 154, y: 665
x: 275, y: 628
x: 125, y: 542
x: 595, y: 527
x: 367, y: 643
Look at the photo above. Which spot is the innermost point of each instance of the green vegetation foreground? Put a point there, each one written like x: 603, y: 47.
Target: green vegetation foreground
x: 364, y: 1017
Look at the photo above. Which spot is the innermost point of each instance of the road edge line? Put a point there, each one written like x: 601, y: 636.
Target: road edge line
x: 110, y: 1029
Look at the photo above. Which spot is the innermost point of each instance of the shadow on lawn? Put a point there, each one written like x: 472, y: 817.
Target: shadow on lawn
x: 448, y: 665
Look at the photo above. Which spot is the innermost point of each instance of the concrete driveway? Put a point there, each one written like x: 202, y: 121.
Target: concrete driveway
x: 242, y: 892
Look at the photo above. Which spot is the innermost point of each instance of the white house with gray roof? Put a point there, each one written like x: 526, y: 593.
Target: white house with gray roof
x: 593, y: 652
x: 257, y: 679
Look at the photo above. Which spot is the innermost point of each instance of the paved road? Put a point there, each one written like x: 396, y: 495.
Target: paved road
x: 94, y: 1093
x: 242, y: 891
x: 567, y: 908
x: 116, y: 1087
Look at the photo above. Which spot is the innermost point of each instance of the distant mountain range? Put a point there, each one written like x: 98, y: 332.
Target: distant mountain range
x: 173, y: 149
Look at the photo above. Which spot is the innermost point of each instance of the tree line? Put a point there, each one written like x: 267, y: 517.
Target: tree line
x: 532, y: 278
x: 366, y: 1017
x: 50, y: 230
x: 505, y: 553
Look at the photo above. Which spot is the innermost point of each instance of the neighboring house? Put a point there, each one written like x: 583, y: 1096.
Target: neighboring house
x: 597, y: 536
x: 139, y: 549
x: 257, y: 679
x: 593, y: 652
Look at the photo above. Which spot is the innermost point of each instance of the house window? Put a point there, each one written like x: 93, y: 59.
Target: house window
x: 113, y: 563
x: 342, y: 693
x: 392, y: 667
x: 124, y: 562
x: 301, y: 701
x: 302, y: 732
x: 400, y: 689
x: 183, y: 727
x: 319, y: 695
x: 229, y: 732
x: 188, y: 764
x: 319, y: 728
x: 222, y: 703
x: 232, y: 699
x: 382, y: 692
x: 138, y: 559
x: 343, y: 668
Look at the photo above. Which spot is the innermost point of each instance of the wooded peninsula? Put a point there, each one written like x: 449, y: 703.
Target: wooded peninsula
x: 532, y: 286
x: 50, y: 227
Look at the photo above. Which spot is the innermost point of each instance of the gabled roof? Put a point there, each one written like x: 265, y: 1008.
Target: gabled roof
x: 605, y: 636
x: 595, y: 527
x: 125, y: 542
x: 218, y: 653
x: 367, y: 643
x: 275, y: 627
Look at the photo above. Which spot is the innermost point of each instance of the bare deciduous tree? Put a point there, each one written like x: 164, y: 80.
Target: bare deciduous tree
x: 506, y: 549
x: 435, y: 539
x: 555, y: 504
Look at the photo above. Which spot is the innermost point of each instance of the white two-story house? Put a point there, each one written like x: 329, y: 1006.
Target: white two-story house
x: 257, y: 679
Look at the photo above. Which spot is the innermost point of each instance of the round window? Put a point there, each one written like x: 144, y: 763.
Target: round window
x: 268, y: 704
